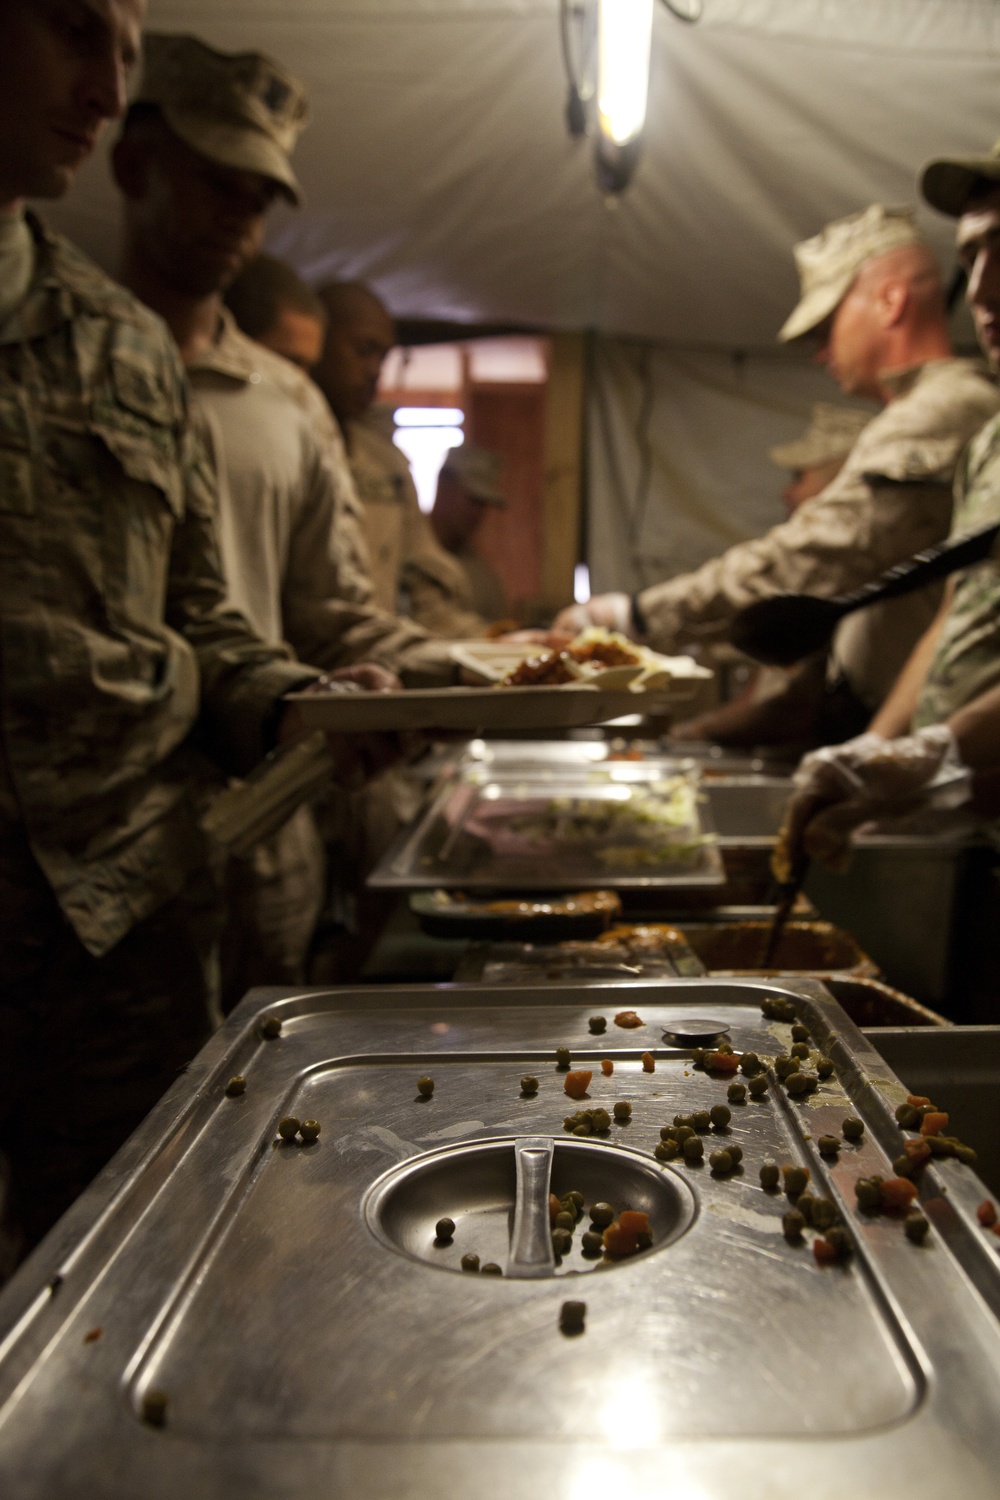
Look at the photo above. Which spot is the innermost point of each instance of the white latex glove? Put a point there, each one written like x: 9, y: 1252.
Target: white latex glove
x: 613, y: 611
x: 842, y: 786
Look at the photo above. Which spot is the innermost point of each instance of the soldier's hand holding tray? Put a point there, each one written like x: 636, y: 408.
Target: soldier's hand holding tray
x: 358, y: 757
x: 841, y: 787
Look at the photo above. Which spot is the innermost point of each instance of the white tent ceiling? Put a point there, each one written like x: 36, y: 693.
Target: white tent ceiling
x: 437, y: 165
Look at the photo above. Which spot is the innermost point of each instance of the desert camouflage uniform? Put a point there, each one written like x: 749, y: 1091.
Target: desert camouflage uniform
x: 410, y: 569
x: 115, y: 638
x: 892, y: 498
x: 967, y: 660
x: 295, y: 565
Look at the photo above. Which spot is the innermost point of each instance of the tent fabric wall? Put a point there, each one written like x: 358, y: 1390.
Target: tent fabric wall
x: 677, y: 454
x: 437, y: 164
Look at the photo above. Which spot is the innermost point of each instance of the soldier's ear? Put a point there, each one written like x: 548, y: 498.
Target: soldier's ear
x: 131, y: 161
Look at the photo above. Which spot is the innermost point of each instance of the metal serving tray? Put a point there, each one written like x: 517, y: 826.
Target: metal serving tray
x: 468, y: 836
x: 307, y: 1338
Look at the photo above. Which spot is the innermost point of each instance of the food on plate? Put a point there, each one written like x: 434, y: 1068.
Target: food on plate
x: 602, y: 1214
x: 769, y: 1175
x: 572, y: 1317
x: 627, y: 1235
x: 444, y: 1230
x: 576, y: 1084
x: 824, y: 1067
x: 648, y: 1062
x: 529, y: 1084
x: 796, y: 1180
x: 800, y: 1033
x: 598, y: 1025
x: 896, y: 1194
x: 628, y: 1020
x: 236, y: 1086
x: 800, y: 1050
x: 548, y: 669
x: 916, y: 1226
x: 579, y: 903
x: 792, y: 1225
x: 425, y: 1087
x: 777, y: 1008
x: 588, y: 1122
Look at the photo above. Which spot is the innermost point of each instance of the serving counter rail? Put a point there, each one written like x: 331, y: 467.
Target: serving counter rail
x: 227, y: 1313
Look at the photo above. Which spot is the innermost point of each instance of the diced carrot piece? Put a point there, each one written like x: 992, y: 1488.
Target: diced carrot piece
x: 633, y: 1221
x: 722, y: 1062
x: 554, y: 1207
x: 628, y: 1019
x: 917, y: 1150
x: 619, y: 1242
x: 577, y: 1084
x: 607, y: 1067
x: 825, y: 1253
x: 917, y: 1100
x: 648, y: 1062
x: 934, y: 1123
x: 897, y: 1194
x: 986, y: 1213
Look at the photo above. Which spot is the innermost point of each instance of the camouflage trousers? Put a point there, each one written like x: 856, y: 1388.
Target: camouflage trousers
x: 88, y: 1045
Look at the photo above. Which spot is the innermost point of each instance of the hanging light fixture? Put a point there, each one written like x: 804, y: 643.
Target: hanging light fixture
x: 606, y: 49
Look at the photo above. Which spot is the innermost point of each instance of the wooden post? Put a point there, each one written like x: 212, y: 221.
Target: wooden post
x: 563, y: 469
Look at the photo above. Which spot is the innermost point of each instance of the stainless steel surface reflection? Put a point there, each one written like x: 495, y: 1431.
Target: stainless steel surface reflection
x: 475, y: 1184
x: 300, y: 1355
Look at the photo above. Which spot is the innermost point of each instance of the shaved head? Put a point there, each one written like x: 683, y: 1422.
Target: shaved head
x: 359, y: 335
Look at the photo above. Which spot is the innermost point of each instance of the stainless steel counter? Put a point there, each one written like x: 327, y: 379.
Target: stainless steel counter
x: 313, y: 1340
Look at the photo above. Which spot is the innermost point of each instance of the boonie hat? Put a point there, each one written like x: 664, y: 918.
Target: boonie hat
x: 479, y: 470
x: 831, y: 434
x: 829, y: 262
x: 240, y: 109
x: 947, y: 182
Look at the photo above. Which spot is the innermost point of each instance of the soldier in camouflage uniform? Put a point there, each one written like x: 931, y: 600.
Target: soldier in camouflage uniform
x: 410, y: 569
x: 944, y: 712
x: 872, y: 297
x: 116, y: 639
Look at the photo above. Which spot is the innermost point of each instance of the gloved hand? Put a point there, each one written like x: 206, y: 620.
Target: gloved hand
x: 613, y: 611
x: 842, y: 786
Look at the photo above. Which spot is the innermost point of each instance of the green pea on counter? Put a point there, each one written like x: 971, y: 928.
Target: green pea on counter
x: 721, y: 1163
x: 757, y: 1086
x: 490, y: 1269
x: 693, y: 1148
x: 853, y: 1128
x: 602, y: 1214
x: 309, y: 1131
x: 720, y: 1115
x: 236, y: 1086
x: 736, y: 1093
x: 598, y: 1024
x: 800, y: 1033
x: 770, y: 1175
x: 666, y: 1150
x: 916, y: 1227
x: 444, y: 1230
x: 470, y: 1261
x: 622, y: 1111
x: 562, y: 1057
x: 288, y: 1128
x: 529, y: 1085
x: 270, y: 1027
x: 425, y: 1087
x: 828, y: 1145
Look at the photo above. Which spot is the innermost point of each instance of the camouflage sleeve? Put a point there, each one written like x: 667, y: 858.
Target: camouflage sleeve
x: 242, y: 677
x: 432, y: 579
x: 849, y: 534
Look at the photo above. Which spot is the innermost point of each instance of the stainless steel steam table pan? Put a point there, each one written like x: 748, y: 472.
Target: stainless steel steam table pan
x: 226, y: 1315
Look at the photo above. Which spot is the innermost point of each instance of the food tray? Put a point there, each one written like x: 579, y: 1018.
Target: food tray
x: 476, y: 709
x: 311, y: 1340
x: 815, y: 948
x: 516, y: 918
x: 531, y: 832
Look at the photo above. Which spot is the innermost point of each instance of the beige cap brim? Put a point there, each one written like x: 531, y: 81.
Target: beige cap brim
x: 244, y: 148
x: 946, y: 184
x: 815, y: 307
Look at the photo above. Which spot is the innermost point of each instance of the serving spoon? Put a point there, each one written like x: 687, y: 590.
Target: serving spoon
x: 788, y: 627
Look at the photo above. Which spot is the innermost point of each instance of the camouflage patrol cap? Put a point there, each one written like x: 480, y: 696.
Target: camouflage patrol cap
x: 237, y: 108
x: 947, y: 183
x: 479, y: 471
x: 829, y: 262
x: 830, y: 436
